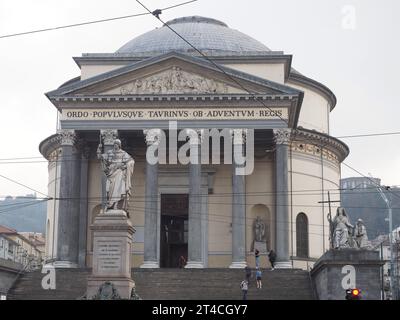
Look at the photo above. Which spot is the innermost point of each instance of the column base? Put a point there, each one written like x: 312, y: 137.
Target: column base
x: 64, y: 264
x: 194, y: 265
x: 150, y: 265
x: 238, y: 265
x: 283, y: 265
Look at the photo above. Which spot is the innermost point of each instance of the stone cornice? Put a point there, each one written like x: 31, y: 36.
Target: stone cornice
x: 129, y: 57
x: 172, y: 97
x: 315, y: 85
x: 123, y: 59
x: 323, y: 141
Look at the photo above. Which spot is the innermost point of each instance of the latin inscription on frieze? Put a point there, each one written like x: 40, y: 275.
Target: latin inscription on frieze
x: 176, y: 114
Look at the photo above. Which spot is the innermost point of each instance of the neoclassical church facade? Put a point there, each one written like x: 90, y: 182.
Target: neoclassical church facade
x: 203, y: 212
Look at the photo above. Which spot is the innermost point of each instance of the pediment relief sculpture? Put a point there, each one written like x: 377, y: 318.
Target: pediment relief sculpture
x: 173, y: 81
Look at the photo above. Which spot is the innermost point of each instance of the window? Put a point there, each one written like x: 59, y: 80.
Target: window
x: 302, y: 235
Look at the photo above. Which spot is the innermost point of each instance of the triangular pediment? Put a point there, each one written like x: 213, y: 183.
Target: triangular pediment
x: 174, y: 80
x: 173, y: 74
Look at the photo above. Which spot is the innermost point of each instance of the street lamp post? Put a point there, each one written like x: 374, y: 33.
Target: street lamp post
x: 393, y: 291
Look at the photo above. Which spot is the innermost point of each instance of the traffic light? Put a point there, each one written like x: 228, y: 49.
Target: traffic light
x: 353, y: 294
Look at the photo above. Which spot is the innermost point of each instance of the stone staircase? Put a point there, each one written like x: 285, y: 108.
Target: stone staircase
x: 174, y: 284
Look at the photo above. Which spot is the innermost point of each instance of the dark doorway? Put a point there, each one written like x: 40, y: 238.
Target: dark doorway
x: 174, y: 230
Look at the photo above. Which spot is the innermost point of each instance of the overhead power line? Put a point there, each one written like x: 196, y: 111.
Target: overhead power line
x: 91, y: 22
x: 369, y: 135
x: 4, y: 211
x: 21, y: 184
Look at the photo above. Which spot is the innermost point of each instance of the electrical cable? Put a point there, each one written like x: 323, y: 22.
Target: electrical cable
x: 90, y: 22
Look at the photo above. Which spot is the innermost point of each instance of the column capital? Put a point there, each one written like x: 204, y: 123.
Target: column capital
x: 68, y: 137
x: 108, y: 136
x: 282, y: 136
x: 152, y: 136
x: 239, y: 136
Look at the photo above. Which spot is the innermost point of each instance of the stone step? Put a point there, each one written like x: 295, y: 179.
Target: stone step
x: 176, y: 284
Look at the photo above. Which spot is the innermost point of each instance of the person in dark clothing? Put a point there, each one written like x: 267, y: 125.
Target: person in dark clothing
x: 272, y: 258
x: 258, y: 278
x: 244, y: 285
x: 182, y: 262
x: 248, y: 273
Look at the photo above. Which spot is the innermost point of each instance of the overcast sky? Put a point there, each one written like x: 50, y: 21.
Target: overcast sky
x: 357, y: 59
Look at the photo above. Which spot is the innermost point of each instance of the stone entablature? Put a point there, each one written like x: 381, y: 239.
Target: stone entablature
x: 313, y: 143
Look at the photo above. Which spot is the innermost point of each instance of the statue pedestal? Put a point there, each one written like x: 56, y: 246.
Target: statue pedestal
x: 260, y: 246
x: 340, y: 269
x: 112, y: 246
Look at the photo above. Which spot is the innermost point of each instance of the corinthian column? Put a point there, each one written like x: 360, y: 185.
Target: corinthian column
x: 150, y: 210
x: 238, y: 202
x: 195, y: 236
x: 68, y: 209
x: 282, y: 226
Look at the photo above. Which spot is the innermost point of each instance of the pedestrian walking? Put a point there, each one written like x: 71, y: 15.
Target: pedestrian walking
x: 272, y: 258
x: 244, y: 285
x: 248, y: 273
x: 258, y: 278
x: 257, y: 256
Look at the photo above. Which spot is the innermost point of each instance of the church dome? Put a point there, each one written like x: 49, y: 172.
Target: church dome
x: 210, y: 36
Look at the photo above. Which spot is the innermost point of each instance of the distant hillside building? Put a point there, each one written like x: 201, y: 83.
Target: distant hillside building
x: 359, y: 183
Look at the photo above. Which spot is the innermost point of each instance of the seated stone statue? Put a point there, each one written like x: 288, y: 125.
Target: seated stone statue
x: 361, y: 235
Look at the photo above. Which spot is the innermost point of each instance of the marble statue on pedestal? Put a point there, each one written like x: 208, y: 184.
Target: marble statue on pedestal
x: 118, y: 167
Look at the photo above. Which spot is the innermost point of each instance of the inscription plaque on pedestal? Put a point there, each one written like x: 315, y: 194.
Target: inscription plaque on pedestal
x: 109, y: 256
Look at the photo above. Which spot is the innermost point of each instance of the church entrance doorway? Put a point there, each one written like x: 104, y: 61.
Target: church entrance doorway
x: 174, y: 230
